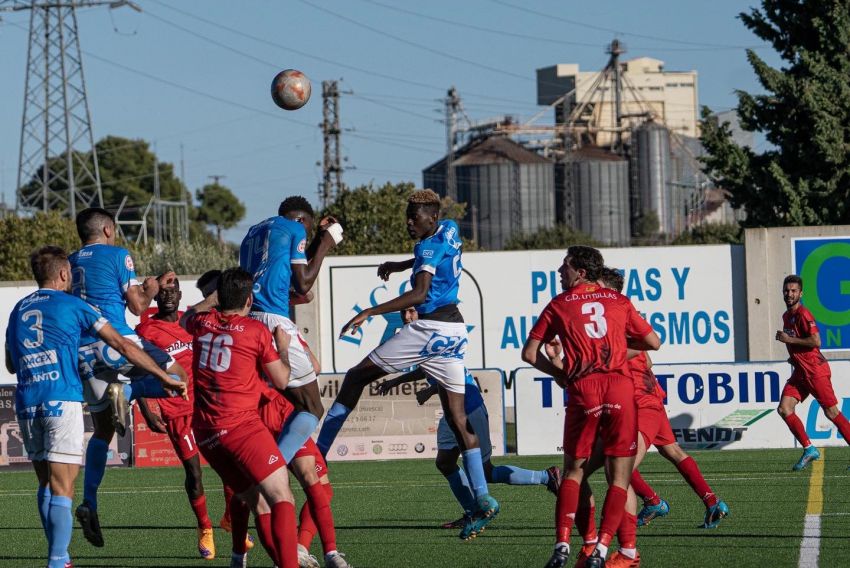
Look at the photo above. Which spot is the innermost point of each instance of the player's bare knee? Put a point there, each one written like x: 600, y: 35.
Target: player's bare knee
x: 673, y: 453
x: 305, y: 471
x: 832, y: 412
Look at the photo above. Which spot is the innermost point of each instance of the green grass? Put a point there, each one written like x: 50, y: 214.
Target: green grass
x: 387, y: 512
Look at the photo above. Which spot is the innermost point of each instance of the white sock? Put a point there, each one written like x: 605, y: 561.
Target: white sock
x: 603, y: 550
x: 563, y: 548
x: 629, y: 552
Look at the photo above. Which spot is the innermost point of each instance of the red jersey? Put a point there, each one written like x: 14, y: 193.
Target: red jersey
x: 592, y: 323
x: 229, y: 353
x: 643, y: 377
x: 177, y: 342
x: 800, y: 323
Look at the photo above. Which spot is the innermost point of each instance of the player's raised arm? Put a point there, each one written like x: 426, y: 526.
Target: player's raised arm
x: 204, y: 305
x: 304, y: 274
x: 412, y: 297
x: 139, y: 358
x: 390, y: 267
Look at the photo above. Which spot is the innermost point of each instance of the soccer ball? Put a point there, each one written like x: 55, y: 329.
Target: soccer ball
x: 291, y: 89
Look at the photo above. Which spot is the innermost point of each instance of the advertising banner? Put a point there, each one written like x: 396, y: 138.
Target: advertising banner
x: 13, y: 455
x: 824, y: 265
x: 710, y: 406
x: 395, y: 426
x: 688, y: 294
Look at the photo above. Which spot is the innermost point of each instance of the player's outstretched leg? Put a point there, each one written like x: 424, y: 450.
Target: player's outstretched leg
x: 653, y: 505
x: 715, y: 509
x: 786, y: 411
x: 356, y: 379
x: 457, y: 478
x: 512, y: 475
x: 94, y: 470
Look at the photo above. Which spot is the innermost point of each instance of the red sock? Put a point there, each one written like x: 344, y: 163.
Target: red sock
x: 796, y: 427
x: 586, y: 521
x: 199, y: 506
x: 285, y: 534
x: 306, y: 527
x: 239, y: 515
x: 264, y: 532
x: 565, y: 510
x: 843, y: 426
x: 320, y: 510
x: 228, y: 495
x: 612, y: 513
x: 644, y: 490
x: 627, y: 531
x: 690, y: 471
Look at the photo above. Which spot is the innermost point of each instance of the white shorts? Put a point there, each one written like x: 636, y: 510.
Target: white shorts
x: 480, y: 422
x: 100, y: 364
x: 299, y: 360
x: 436, y: 346
x: 56, y: 438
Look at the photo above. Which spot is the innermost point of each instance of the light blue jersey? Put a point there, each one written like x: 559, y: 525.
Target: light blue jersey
x: 268, y: 251
x: 472, y: 398
x: 43, y: 338
x: 101, y: 275
x: 439, y: 254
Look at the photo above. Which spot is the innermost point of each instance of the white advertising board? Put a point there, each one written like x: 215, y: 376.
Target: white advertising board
x: 395, y: 426
x: 710, y: 406
x: 688, y: 294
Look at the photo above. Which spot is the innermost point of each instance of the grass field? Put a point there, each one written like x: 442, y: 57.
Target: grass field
x: 387, y: 514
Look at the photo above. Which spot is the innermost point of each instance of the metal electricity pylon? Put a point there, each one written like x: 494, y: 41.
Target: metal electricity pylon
x: 58, y: 168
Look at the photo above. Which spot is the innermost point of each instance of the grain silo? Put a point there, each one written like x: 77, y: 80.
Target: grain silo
x: 508, y: 189
x: 653, y: 191
x: 597, y: 187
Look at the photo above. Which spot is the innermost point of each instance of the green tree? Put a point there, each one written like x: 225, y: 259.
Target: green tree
x: 219, y: 207
x: 803, y: 178
x: 374, y: 219
x: 711, y: 234
x: 557, y: 237
x: 20, y: 236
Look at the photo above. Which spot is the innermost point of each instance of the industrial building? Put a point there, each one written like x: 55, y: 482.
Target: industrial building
x: 508, y: 189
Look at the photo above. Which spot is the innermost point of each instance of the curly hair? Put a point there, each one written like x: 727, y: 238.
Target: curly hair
x: 612, y: 278
x: 425, y: 199
x: 588, y: 259
x: 295, y: 203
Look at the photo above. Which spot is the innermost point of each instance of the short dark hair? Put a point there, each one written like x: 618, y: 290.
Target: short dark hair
x: 612, y: 278
x: 91, y: 221
x: 206, y: 278
x: 793, y: 279
x: 46, y: 262
x: 588, y: 259
x: 234, y: 288
x: 295, y: 203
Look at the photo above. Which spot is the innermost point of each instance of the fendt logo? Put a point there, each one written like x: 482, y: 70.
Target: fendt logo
x: 824, y: 266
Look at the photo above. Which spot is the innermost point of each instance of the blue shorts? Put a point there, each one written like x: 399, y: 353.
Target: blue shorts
x: 480, y: 422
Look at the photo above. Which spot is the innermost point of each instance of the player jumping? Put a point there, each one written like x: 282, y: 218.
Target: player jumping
x: 811, y: 373
x: 275, y: 252
x: 103, y: 275
x: 592, y: 324
x: 42, y: 344
x: 437, y: 342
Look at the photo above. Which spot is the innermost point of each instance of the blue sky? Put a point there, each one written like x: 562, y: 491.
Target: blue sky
x: 147, y: 73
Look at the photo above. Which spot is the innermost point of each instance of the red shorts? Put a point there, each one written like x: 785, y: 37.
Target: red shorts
x: 242, y: 455
x: 182, y: 438
x: 653, y: 423
x: 800, y: 386
x: 274, y: 411
x: 311, y: 449
x: 603, y: 405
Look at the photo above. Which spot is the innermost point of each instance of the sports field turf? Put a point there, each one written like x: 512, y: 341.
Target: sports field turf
x: 388, y: 512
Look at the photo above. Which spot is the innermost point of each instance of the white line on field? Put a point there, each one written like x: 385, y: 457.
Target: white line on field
x: 810, y: 546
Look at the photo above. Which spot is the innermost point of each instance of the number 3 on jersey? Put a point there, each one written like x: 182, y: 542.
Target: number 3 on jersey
x: 598, y: 326
x: 215, y: 354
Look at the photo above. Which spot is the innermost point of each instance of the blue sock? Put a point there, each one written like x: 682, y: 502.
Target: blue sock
x: 295, y: 432
x: 334, y: 420
x: 44, y: 507
x: 61, y: 524
x: 459, y: 485
x: 148, y: 387
x: 518, y: 476
x: 95, y: 468
x: 475, y: 471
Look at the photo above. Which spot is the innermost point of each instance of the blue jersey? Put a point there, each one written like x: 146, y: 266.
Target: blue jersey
x: 439, y: 254
x: 101, y: 275
x: 472, y: 399
x: 268, y: 251
x: 43, y: 338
